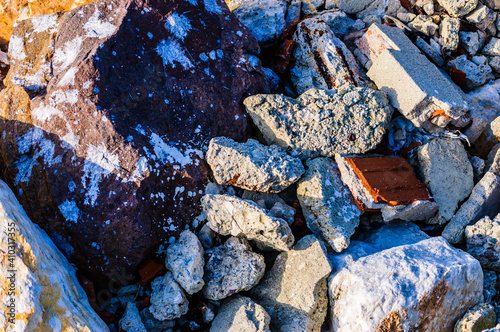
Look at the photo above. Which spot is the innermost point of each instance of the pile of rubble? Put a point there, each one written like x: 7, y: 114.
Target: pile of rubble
x: 345, y: 205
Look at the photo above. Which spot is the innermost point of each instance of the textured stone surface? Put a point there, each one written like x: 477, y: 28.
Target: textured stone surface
x: 275, y: 205
x: 131, y: 320
x: 154, y: 325
x: 327, y: 203
x: 185, y: 261
x: 321, y: 59
x: 477, y: 318
x: 448, y: 32
x: 47, y: 296
x: 447, y: 172
x: 492, y: 48
x: 458, y: 8
x: 252, y: 166
x: 240, y: 313
x: 477, y: 74
x: 425, y: 286
x: 322, y: 122
x: 168, y: 300
x: 424, y: 24
x: 232, y: 268
x: 483, y: 242
x: 470, y: 41
x: 483, y: 201
x: 238, y: 217
x: 294, y: 291
x: 482, y: 17
x: 111, y: 152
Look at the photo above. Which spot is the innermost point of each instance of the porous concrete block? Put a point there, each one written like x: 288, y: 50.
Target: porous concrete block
x: 458, y: 8
x: 449, y: 33
x: 477, y: 318
x: 492, y: 48
x: 241, y: 314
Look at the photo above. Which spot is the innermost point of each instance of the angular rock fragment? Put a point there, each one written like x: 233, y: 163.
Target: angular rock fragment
x: 240, y: 313
x: 252, y: 166
x: 458, y: 8
x: 478, y: 318
x: 483, y: 242
x: 154, y: 325
x: 232, y: 268
x: 492, y: 48
x: 424, y: 24
x: 327, y: 203
x: 476, y: 74
x: 449, y: 33
x: 387, y: 184
x: 294, y: 291
x: 275, y: 205
x: 427, y: 285
x: 168, y: 300
x: 131, y: 320
x: 237, y: 217
x: 322, y: 122
x: 321, y: 59
x: 481, y: 17
x: 47, y: 293
x: 110, y: 155
x: 483, y: 201
x: 185, y: 261
x: 414, y: 85
x: 448, y: 173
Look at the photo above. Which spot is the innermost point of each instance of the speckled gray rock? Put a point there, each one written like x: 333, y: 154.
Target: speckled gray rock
x: 447, y: 172
x: 477, y: 74
x: 424, y: 286
x: 492, y: 48
x: 470, y: 41
x: 339, y: 22
x: 168, y: 300
x: 294, y: 291
x: 477, y: 319
x: 482, y: 202
x: 131, y: 320
x: 424, y: 24
x: 481, y: 17
x: 483, y: 242
x: 448, y: 31
x: 252, y: 166
x: 185, y: 261
x: 241, y: 314
x: 234, y: 216
x: 327, y: 203
x: 274, y: 204
x: 232, y: 268
x: 321, y: 59
x: 458, y: 8
x: 322, y: 122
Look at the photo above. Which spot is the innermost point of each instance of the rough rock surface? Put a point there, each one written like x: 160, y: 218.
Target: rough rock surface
x: 294, y: 291
x: 322, y: 122
x: 168, y: 300
x: 275, y: 205
x: 458, y: 8
x: 327, y: 203
x: 477, y: 318
x: 252, y: 166
x: 185, y: 261
x: 232, y: 268
x: 110, y: 154
x: 447, y: 172
x: 449, y: 33
x: 240, y: 313
x: 483, y: 242
x: 425, y: 286
x: 131, y: 320
x: 47, y: 296
x: 477, y: 74
x: 321, y: 59
x: 492, y: 48
x: 234, y: 216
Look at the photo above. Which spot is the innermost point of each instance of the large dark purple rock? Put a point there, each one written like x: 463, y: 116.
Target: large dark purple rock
x: 107, y: 156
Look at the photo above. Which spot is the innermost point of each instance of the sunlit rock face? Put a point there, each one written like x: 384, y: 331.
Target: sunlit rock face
x: 106, y: 150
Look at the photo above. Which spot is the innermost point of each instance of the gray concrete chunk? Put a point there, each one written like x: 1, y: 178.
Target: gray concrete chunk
x: 241, y: 314
x: 252, y: 166
x: 477, y: 318
x: 131, y: 320
x: 458, y: 8
x: 168, y: 300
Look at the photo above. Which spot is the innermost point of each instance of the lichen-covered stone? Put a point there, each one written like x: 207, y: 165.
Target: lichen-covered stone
x: 483, y: 242
x: 252, y: 166
x: 294, y: 291
x: 238, y: 217
x: 131, y: 320
x: 477, y: 318
x: 239, y: 314
x: 458, y: 8
x: 168, y: 300
x: 47, y: 295
x: 447, y: 172
x: 232, y: 268
x: 322, y: 122
x: 185, y: 261
x: 327, y: 203
x: 425, y: 286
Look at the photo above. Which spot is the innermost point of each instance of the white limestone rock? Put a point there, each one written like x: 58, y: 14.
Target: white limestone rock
x: 458, y: 8
x: 185, y: 261
x: 327, y: 204
x: 322, y: 122
x: 238, y: 217
x: 252, y: 166
x: 424, y: 286
x: 47, y: 296
x: 168, y: 300
x: 232, y: 268
x: 294, y: 291
x: 241, y: 314
x: 447, y: 172
x: 131, y: 320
